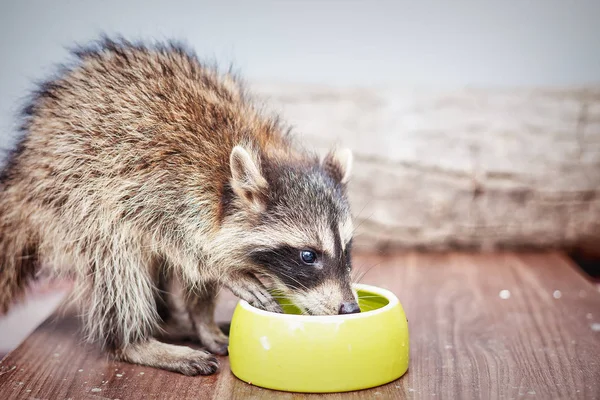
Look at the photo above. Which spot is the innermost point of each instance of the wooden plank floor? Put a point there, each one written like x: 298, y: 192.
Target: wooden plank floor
x: 542, y: 340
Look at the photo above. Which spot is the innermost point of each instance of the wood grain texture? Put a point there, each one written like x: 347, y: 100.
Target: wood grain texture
x: 467, y: 168
x: 466, y: 341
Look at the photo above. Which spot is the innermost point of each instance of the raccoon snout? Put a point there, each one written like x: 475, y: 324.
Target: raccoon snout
x: 349, y: 307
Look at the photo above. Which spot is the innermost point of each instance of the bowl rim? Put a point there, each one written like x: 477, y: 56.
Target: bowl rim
x: 391, y: 297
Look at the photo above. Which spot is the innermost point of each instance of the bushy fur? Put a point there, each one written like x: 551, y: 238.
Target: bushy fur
x: 141, y: 167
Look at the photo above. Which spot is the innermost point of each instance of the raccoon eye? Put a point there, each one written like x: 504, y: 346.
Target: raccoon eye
x: 308, y: 256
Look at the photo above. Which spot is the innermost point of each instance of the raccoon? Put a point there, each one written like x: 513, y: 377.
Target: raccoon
x: 152, y: 180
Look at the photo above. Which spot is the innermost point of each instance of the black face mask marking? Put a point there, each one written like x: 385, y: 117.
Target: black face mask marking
x: 344, y: 265
x: 285, y: 263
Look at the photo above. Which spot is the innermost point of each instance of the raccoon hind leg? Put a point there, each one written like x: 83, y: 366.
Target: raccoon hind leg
x: 122, y: 314
x: 191, y: 315
x: 170, y: 357
x: 19, y: 263
x: 202, y: 313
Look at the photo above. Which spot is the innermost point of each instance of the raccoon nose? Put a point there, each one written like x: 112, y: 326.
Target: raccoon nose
x: 349, y: 307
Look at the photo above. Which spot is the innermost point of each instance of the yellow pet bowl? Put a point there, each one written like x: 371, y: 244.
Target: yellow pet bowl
x: 336, y: 353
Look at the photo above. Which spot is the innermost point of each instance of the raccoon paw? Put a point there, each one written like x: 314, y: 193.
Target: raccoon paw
x: 214, y: 340
x: 268, y: 304
x: 247, y: 287
x: 197, y: 362
x: 219, y: 347
x: 171, y: 357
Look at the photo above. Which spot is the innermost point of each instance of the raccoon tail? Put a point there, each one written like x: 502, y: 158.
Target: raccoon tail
x: 18, y: 256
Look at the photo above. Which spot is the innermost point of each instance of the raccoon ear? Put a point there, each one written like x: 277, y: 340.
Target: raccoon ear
x: 246, y: 179
x: 338, y: 164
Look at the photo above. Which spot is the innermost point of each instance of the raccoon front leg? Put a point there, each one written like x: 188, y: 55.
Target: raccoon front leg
x: 249, y: 288
x: 202, y: 312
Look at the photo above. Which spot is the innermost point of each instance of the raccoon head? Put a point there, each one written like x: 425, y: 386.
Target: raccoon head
x: 301, y: 234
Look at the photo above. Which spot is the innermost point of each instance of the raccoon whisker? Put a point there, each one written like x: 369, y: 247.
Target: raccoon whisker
x: 361, y: 222
x: 363, y: 207
x: 365, y: 272
x: 294, y: 279
x: 269, y: 276
x: 302, y: 308
x: 357, y: 216
x: 296, y: 288
x: 315, y: 304
x: 280, y: 297
x: 354, y: 274
x: 360, y: 277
